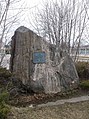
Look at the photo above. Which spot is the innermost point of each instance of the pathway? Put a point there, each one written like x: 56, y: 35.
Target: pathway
x: 72, y: 100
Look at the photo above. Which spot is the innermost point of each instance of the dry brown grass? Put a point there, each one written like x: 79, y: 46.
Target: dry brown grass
x: 66, y: 111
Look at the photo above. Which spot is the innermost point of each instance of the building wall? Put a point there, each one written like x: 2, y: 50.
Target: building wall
x: 83, y: 53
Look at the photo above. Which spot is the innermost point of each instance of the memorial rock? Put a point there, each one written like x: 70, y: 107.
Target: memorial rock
x: 39, y: 65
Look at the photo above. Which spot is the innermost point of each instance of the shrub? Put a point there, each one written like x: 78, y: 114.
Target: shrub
x: 83, y: 70
x: 5, y: 79
x: 5, y: 82
x: 84, y: 84
x: 4, y: 97
x: 4, y: 73
x: 4, y: 109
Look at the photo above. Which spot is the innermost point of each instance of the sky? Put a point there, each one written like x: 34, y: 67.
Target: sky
x: 29, y: 7
x: 25, y: 8
x: 23, y: 11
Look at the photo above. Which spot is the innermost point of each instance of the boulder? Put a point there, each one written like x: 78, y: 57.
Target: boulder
x: 39, y: 65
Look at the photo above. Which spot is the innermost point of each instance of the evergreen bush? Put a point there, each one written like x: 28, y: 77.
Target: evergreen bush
x: 83, y: 70
x: 84, y: 84
x: 4, y: 108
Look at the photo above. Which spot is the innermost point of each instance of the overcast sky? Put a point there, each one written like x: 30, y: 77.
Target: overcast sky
x: 30, y: 6
x: 26, y: 7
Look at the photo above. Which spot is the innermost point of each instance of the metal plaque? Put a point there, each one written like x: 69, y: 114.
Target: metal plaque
x: 39, y: 57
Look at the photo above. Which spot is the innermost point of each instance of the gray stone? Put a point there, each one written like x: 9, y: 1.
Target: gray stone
x: 57, y: 74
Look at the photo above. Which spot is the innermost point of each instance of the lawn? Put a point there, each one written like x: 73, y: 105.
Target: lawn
x: 66, y: 111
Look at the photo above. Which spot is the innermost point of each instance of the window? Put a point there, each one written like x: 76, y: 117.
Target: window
x: 87, y: 51
x: 82, y: 51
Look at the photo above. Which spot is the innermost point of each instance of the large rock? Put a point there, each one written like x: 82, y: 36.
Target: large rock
x: 39, y: 65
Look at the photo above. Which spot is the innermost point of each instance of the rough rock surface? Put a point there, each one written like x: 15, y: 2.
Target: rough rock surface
x: 56, y: 74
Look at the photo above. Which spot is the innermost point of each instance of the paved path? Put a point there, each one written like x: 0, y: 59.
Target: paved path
x: 72, y: 100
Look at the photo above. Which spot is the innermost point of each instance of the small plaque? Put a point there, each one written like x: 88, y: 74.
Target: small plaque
x: 39, y: 57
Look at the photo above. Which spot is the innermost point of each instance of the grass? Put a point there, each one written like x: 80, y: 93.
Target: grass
x: 67, y: 111
x: 84, y: 84
x: 4, y: 108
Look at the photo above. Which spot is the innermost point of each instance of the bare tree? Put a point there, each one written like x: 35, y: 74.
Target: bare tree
x: 62, y: 22
x: 7, y: 21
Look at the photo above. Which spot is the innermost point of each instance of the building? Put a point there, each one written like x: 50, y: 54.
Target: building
x: 83, y: 53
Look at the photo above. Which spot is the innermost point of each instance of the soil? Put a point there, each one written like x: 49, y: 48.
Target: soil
x: 21, y: 107
x: 24, y: 100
